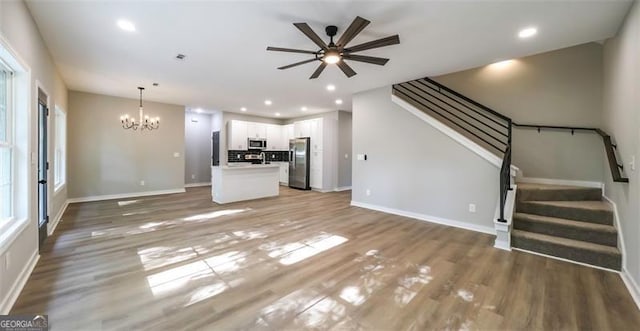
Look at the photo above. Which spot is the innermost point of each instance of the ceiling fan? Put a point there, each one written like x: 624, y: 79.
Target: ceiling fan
x: 336, y: 53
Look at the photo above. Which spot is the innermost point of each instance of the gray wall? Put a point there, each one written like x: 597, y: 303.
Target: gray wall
x: 621, y: 119
x: 19, y: 30
x: 197, y: 150
x: 415, y: 168
x: 562, y: 87
x: 344, y: 149
x: 105, y: 159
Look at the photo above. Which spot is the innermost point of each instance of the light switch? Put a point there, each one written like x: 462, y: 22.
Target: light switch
x: 176, y: 154
x: 633, y: 163
x: 360, y: 157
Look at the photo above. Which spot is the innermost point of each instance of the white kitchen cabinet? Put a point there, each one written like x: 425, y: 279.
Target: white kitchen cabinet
x: 315, y: 166
x: 275, y: 141
x: 287, y: 134
x: 236, y: 135
x: 284, y: 173
x: 315, y: 132
x: 302, y: 129
x: 256, y: 130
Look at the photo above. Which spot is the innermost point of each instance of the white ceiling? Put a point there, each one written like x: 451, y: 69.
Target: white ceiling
x: 227, y: 66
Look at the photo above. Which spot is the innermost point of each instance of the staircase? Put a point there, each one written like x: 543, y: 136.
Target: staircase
x: 568, y: 222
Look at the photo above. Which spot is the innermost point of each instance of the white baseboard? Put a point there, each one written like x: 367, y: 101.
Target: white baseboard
x: 427, y: 218
x: 125, y: 195
x: 553, y: 181
x: 632, y: 286
x: 343, y: 188
x: 52, y: 225
x: 616, y: 223
x: 14, y: 292
x: 197, y: 184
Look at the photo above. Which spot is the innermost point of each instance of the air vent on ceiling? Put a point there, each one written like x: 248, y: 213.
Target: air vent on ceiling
x: 180, y: 56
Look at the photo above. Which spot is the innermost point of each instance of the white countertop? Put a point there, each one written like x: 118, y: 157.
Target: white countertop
x: 243, y: 165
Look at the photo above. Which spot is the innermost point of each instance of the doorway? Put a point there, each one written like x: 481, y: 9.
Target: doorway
x: 43, y: 167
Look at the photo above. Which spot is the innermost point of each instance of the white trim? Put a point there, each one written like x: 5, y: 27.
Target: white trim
x: 59, y: 187
x: 503, y: 230
x: 632, y: 286
x: 427, y: 218
x: 566, y: 182
x: 616, y: 223
x: 197, y: 184
x: 52, y: 225
x: 453, y: 134
x: 343, y: 188
x: 14, y: 291
x: 565, y: 260
x: 124, y: 195
x: 11, y: 232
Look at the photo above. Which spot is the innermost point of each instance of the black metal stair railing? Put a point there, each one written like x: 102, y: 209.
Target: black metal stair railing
x: 482, y: 125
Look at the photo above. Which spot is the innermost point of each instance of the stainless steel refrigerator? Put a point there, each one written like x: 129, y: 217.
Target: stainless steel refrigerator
x: 299, y: 160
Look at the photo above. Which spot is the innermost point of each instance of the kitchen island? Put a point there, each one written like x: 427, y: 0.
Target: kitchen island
x: 244, y: 181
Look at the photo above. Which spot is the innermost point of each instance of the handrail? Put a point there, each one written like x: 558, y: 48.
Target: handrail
x: 609, y: 147
x: 413, y: 92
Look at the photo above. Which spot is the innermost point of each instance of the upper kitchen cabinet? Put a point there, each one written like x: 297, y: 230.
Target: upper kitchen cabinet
x: 237, y: 135
x: 302, y: 129
x: 275, y: 138
x: 316, y: 133
x: 256, y: 130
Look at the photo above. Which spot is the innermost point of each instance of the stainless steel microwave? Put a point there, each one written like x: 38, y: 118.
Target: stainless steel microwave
x: 257, y: 143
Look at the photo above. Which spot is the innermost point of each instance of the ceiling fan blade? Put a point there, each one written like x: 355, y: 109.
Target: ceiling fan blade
x: 388, y: 41
x: 356, y: 27
x: 346, y: 69
x: 291, y: 50
x: 318, y: 71
x: 368, y: 59
x: 306, y: 29
x: 297, y: 64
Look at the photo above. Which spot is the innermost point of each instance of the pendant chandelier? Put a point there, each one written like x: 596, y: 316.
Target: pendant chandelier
x: 144, y: 122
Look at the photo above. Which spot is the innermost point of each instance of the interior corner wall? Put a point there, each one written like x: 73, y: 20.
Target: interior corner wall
x: 621, y: 119
x: 197, y: 150
x: 105, y: 159
x: 344, y: 149
x: 20, y: 32
x: 562, y: 87
x: 413, y: 168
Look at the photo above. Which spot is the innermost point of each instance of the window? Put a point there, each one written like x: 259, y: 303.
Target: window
x: 60, y: 158
x: 6, y: 144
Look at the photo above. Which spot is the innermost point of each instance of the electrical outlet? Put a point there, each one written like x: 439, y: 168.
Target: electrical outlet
x: 176, y: 154
x: 7, y: 260
x: 368, y: 192
x: 238, y: 156
x: 142, y: 183
x: 632, y: 164
x: 346, y: 156
x: 472, y: 208
x: 193, y: 176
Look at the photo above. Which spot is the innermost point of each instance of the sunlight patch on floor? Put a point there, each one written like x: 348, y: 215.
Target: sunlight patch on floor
x: 215, y: 214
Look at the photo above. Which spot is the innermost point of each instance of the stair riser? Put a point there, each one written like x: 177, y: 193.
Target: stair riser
x: 590, y: 194
x: 580, y: 255
x: 577, y: 214
x: 558, y: 230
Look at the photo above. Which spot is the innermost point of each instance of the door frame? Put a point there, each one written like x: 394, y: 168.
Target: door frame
x: 36, y: 155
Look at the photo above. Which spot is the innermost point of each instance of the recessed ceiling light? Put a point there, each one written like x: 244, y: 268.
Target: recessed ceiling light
x: 198, y: 110
x: 528, y: 32
x: 268, y: 102
x: 338, y: 101
x: 277, y: 114
x: 303, y: 108
x: 501, y: 64
x: 331, y: 87
x: 126, y: 25
x: 243, y: 109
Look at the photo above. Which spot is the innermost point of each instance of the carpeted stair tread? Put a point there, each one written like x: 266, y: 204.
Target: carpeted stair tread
x: 544, y: 192
x: 577, y: 250
x: 567, y: 222
x: 566, y: 228
x: 586, y: 211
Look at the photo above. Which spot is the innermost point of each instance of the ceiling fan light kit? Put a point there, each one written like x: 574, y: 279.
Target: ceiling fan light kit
x: 337, y: 53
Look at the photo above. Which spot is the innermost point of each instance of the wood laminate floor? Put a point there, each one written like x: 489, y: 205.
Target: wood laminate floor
x: 304, y: 260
